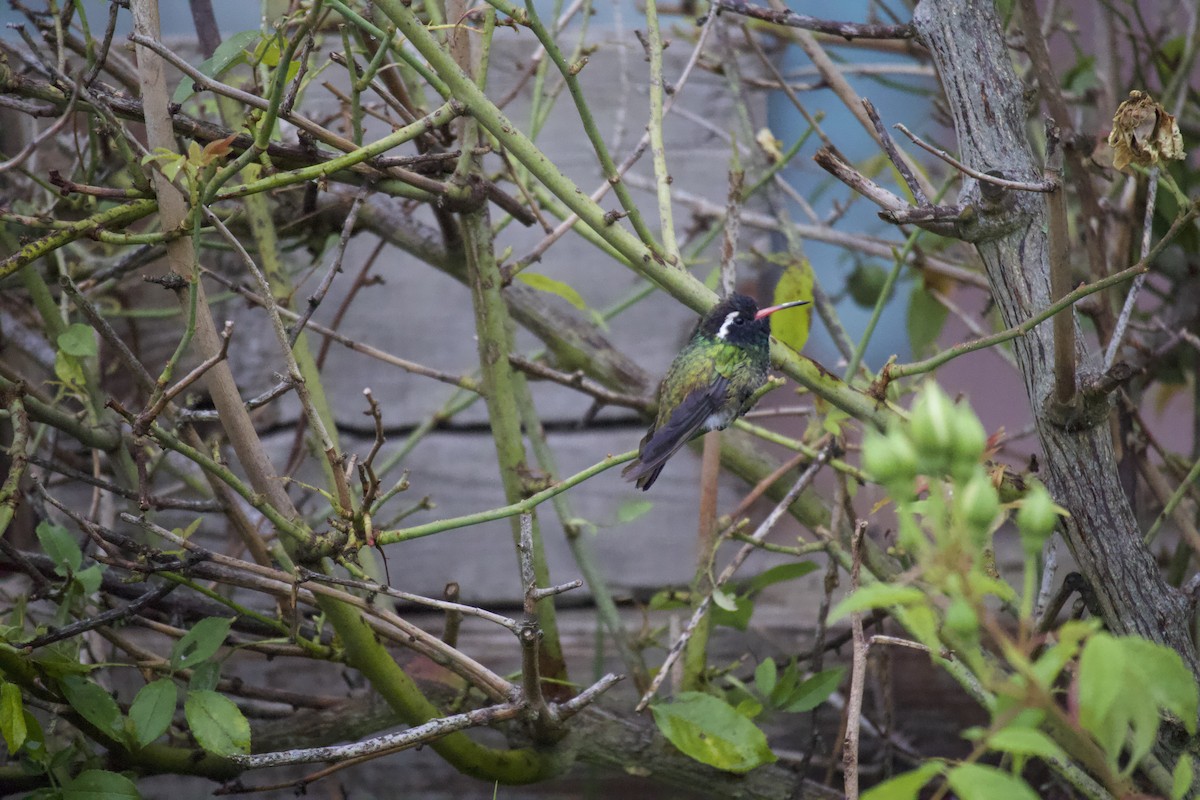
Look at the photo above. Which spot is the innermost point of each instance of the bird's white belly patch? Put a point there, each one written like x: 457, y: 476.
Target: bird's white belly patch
x: 718, y: 421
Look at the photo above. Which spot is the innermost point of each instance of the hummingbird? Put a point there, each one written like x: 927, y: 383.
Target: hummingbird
x: 709, y: 383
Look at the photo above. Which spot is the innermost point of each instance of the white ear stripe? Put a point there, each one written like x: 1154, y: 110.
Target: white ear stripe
x: 729, y: 318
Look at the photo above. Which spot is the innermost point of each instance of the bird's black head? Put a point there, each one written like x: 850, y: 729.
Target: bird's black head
x: 738, y: 320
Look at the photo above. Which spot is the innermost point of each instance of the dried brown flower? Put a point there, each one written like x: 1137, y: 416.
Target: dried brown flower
x: 1143, y: 133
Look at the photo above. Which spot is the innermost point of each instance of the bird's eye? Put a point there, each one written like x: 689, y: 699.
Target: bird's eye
x: 739, y: 320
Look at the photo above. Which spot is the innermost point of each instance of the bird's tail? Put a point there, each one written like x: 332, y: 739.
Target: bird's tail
x: 642, y: 474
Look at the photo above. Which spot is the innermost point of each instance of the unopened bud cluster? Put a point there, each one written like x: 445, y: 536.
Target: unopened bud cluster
x: 942, y: 438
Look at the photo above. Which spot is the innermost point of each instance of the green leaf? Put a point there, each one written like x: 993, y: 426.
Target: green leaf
x: 905, y: 786
x: 1100, y: 679
x: 749, y: 708
x: 1181, y: 780
x: 60, y: 545
x: 796, y: 283
x: 94, y: 704
x: 977, y: 782
x: 814, y: 691
x: 766, y: 674
x: 89, y: 579
x: 876, y: 595
x: 1027, y: 742
x: 229, y: 52
x: 1070, y: 638
x: 544, y: 283
x: 710, y: 731
x: 217, y: 723
x: 779, y: 574
x: 667, y: 600
x: 12, y: 717
x: 68, y: 370
x: 78, y: 340
x: 201, y: 642
x: 99, y: 784
x: 1123, y: 682
x: 629, y: 510
x: 723, y: 599
x: 35, y: 740
x: 926, y: 317
x: 205, y: 676
x: 1166, y: 678
x: 738, y: 619
x: 153, y: 709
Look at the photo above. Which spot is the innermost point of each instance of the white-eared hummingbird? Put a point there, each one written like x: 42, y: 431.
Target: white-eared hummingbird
x: 709, y: 382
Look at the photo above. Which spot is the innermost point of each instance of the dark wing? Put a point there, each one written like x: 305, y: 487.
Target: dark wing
x: 665, y: 440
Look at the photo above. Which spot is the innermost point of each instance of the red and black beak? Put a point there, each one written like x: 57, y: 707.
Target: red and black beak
x: 763, y: 313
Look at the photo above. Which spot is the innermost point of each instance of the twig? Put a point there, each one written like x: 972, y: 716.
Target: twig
x: 278, y: 583
x: 846, y: 30
x: 763, y: 529
x: 831, y: 72
x: 658, y: 152
x: 511, y: 510
x: 695, y: 658
x: 733, y: 226
x: 858, y: 674
x: 388, y: 743
x: 917, y: 367
x: 832, y: 162
x: 1049, y: 569
x: 453, y: 615
x: 106, y: 331
x: 577, y: 380
x: 29, y: 149
x: 1114, y: 342
x: 995, y: 180
x: 529, y: 634
x: 314, y: 300
x: 282, y: 387
x: 1060, y: 273
x: 769, y: 64
x: 460, y: 381
x: 150, y: 414
x: 889, y: 147
x: 368, y: 464
x: 304, y: 574
x: 569, y: 223
x: 100, y: 620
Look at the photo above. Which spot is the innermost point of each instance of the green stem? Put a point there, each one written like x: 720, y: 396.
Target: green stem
x: 115, y: 216
x: 1173, y: 502
x: 593, y: 576
x: 569, y: 72
x: 1141, y: 267
x: 18, y: 454
x: 510, y: 510
x: 885, y: 294
x: 658, y: 151
x: 680, y: 284
x: 494, y: 332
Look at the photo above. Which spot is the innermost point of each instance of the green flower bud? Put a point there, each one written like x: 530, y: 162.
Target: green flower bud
x: 890, y: 458
x: 961, y: 624
x: 978, y: 503
x: 970, y: 440
x: 933, y: 426
x: 1036, y: 518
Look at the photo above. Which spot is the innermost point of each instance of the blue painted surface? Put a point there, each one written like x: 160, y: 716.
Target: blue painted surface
x: 834, y: 265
